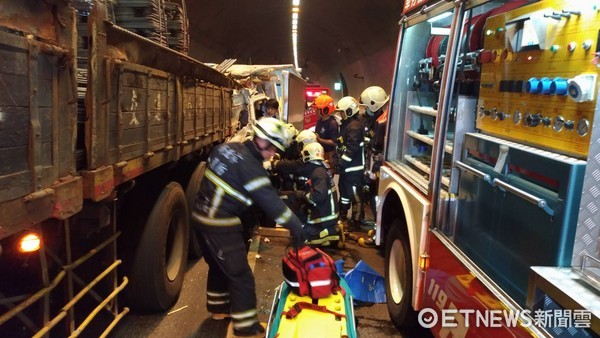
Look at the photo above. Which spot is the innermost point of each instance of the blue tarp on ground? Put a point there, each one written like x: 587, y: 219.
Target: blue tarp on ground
x: 366, y: 284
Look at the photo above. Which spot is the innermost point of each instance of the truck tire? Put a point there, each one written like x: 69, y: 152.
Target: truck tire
x: 160, y: 258
x: 398, y: 277
x: 191, y: 190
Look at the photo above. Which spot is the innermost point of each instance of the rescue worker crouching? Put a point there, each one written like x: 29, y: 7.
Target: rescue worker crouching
x: 235, y: 179
x: 304, y: 137
x: 292, y: 180
x: 351, y: 162
x: 319, y: 196
x: 294, y: 153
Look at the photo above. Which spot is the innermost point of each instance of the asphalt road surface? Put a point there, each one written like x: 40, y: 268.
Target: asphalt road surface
x: 188, y: 317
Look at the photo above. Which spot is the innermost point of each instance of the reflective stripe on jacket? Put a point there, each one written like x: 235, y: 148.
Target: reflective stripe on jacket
x: 352, y: 146
x: 235, y: 179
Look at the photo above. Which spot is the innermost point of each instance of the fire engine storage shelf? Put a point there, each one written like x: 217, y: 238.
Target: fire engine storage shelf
x: 418, y: 137
x: 428, y: 139
x: 423, y: 164
x: 423, y: 110
x: 517, y: 207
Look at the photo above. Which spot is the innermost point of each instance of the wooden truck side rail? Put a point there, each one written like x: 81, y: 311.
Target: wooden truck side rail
x: 151, y: 104
x: 37, y: 103
x: 145, y: 105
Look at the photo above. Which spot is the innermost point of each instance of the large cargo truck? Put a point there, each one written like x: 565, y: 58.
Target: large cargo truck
x: 488, y: 191
x: 101, y: 135
x: 261, y: 82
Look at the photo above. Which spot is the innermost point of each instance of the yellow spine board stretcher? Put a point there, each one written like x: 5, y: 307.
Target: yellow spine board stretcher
x: 310, y: 323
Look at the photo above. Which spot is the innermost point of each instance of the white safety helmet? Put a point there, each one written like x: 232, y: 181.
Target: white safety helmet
x: 348, y: 105
x: 291, y: 130
x: 313, y: 151
x: 373, y: 98
x: 274, y: 131
x: 306, y: 137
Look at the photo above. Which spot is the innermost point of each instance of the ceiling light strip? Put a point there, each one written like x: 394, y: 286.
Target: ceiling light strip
x: 295, y: 19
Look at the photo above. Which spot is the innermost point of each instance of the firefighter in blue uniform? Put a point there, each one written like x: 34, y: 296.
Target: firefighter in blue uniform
x: 351, y: 162
x: 374, y: 98
x: 234, y: 180
x: 320, y: 195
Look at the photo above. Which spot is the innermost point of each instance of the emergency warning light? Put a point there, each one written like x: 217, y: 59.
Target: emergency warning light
x: 311, y: 92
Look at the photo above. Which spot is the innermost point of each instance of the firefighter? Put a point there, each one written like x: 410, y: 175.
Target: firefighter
x: 304, y: 137
x: 327, y: 127
x: 235, y: 179
x: 375, y: 119
x: 290, y: 180
x: 293, y: 151
x: 351, y: 162
x: 320, y: 195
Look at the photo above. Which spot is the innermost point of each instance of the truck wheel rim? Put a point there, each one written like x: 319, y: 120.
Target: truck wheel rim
x: 397, y: 274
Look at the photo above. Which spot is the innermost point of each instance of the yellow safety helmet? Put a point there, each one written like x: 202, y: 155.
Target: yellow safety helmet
x: 313, y: 151
x: 373, y: 97
x: 274, y: 131
x: 348, y: 105
x: 293, y: 132
x: 306, y: 137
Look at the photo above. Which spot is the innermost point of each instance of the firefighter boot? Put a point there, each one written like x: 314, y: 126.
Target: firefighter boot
x: 366, y: 242
x: 354, y: 226
x: 357, y: 216
x: 341, y: 228
x: 256, y: 330
x: 344, y: 213
x: 220, y: 316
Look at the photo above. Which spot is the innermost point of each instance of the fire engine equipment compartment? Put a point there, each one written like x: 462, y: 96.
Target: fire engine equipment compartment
x: 492, y: 112
x: 521, y: 212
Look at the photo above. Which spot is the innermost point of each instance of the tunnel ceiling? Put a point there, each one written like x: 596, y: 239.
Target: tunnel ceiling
x: 332, y: 33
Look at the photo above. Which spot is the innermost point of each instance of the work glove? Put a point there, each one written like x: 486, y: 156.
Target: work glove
x: 274, y: 161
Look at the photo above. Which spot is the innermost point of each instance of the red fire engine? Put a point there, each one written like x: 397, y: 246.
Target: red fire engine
x: 488, y: 192
x: 310, y: 93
